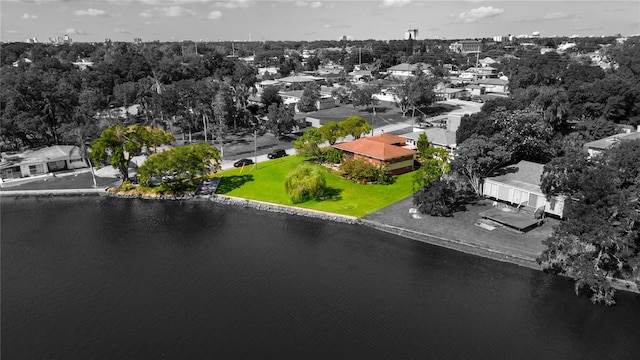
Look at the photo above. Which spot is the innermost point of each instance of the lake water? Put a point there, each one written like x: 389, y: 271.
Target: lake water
x: 104, y: 278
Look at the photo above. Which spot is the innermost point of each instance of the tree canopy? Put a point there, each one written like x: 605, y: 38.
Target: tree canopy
x: 600, y: 238
x: 120, y: 144
x: 182, y: 163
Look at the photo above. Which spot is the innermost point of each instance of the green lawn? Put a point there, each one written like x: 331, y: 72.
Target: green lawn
x: 266, y: 183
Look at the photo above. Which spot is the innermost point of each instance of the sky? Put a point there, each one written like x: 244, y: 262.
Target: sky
x: 261, y: 20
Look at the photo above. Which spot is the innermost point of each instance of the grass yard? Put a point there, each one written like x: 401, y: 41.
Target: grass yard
x: 266, y: 183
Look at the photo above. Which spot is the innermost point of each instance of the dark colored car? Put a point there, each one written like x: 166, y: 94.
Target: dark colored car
x: 242, y: 162
x: 278, y: 153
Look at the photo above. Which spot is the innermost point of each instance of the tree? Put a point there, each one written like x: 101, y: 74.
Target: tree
x: 120, y: 144
x: 270, y: 96
x: 422, y: 145
x: 415, y: 92
x: 364, y: 96
x: 435, y: 164
x: 598, y: 241
x: 438, y: 198
x: 184, y: 162
x: 477, y: 158
x: 307, y: 144
x: 309, y: 99
x: 553, y: 104
x: 355, y: 126
x: 306, y: 182
x: 331, y: 132
x: 280, y: 119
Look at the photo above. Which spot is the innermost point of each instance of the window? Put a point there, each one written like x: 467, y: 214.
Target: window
x: 36, y: 169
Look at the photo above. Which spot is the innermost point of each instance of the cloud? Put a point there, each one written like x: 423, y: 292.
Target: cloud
x: 484, y: 12
x: 173, y: 11
x: 234, y: 4
x: 312, y: 4
x: 29, y: 16
x: 121, y: 31
x: 555, y: 15
x: 90, y: 12
x: 167, y: 11
x: 336, y: 26
x: 12, y: 32
x: 214, y: 15
x: 388, y: 3
x: 72, y: 31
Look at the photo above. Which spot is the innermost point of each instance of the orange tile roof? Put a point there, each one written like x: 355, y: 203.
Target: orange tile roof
x: 388, y: 139
x: 374, y: 148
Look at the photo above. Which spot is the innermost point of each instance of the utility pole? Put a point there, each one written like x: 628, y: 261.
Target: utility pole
x: 255, y: 149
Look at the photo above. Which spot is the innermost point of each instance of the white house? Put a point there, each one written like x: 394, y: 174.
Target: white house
x: 438, y: 137
x: 42, y: 161
x: 520, y: 186
x: 406, y: 70
x: 598, y: 146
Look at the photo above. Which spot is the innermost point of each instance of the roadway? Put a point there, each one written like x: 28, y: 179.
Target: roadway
x: 464, y: 107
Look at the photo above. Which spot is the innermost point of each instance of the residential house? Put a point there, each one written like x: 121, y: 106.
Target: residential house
x: 265, y: 83
x: 42, y: 161
x: 475, y: 73
x: 598, y: 146
x: 26, y: 61
x: 298, y: 81
x: 326, y: 101
x: 83, y: 64
x: 405, y: 70
x: 487, y: 61
x: 492, y: 85
x: 264, y: 71
x: 360, y: 75
x: 475, y: 90
x: 519, y: 185
x: 445, y: 93
x: 438, y: 137
x: 385, y: 149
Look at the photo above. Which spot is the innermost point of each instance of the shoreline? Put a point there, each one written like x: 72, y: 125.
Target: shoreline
x: 431, y: 239
x: 53, y: 192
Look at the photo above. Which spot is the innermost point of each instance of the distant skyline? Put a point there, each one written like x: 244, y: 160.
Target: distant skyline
x: 260, y: 20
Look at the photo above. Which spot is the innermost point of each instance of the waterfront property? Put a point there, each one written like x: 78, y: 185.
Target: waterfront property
x: 381, y: 149
x: 519, y: 185
x: 41, y: 161
x: 344, y: 197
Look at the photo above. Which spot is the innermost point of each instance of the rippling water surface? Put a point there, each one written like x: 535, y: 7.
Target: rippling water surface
x: 101, y: 278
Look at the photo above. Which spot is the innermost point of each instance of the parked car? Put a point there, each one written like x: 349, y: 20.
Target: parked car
x: 242, y: 162
x: 278, y: 153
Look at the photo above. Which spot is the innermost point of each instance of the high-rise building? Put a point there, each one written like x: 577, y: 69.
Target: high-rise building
x: 412, y: 33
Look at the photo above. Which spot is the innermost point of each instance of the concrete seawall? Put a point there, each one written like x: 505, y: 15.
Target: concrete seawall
x: 53, y: 192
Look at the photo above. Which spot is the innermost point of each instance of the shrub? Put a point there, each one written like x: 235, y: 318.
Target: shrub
x: 330, y: 155
x: 363, y: 172
x: 443, y: 197
x: 305, y: 183
x: 127, y: 186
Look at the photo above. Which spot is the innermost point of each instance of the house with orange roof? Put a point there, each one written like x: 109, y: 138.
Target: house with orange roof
x: 384, y: 149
